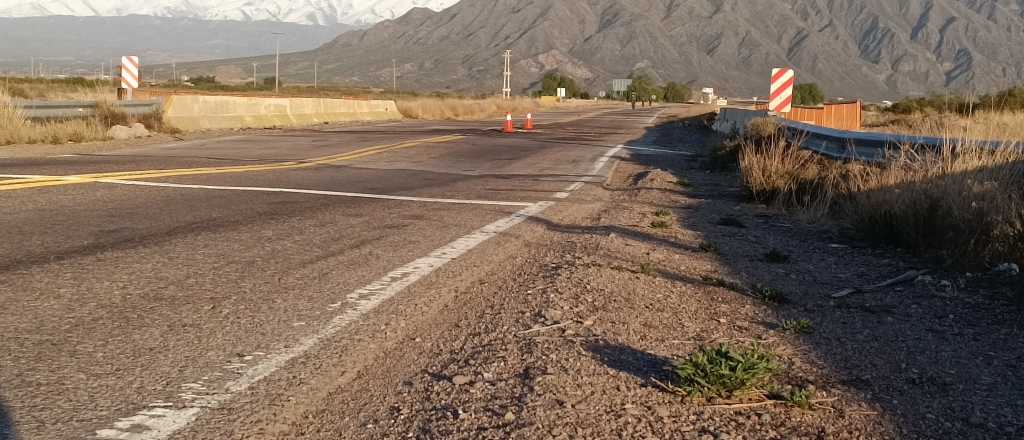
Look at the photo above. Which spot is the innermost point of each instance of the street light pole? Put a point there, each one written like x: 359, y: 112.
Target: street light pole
x: 277, y: 64
x: 315, y: 66
x: 394, y: 75
x: 254, y: 75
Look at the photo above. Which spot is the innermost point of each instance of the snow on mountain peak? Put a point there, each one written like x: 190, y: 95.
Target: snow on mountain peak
x: 321, y: 12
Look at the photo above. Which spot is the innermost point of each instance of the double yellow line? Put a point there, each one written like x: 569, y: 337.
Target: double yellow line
x: 39, y: 182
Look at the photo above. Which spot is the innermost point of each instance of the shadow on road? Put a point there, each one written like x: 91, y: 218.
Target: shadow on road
x: 6, y: 424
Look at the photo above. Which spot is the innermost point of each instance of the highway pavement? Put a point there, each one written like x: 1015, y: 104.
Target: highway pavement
x: 144, y: 287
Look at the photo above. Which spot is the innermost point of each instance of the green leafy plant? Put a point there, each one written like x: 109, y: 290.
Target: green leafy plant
x: 798, y: 326
x: 724, y: 372
x: 708, y: 247
x: 799, y: 397
x: 660, y: 224
x: 769, y: 295
x: 808, y: 94
x: 663, y: 213
x: 648, y: 269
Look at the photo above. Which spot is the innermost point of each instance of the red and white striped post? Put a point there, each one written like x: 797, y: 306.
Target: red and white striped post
x: 129, y: 74
x: 781, y: 97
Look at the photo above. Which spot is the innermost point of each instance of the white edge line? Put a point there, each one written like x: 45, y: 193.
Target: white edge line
x: 314, y: 192
x: 598, y: 166
x: 661, y: 150
x: 161, y: 423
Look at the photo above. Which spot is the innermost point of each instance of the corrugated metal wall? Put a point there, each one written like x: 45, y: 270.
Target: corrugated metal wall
x: 842, y: 116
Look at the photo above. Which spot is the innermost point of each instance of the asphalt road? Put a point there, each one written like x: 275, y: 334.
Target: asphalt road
x: 143, y: 286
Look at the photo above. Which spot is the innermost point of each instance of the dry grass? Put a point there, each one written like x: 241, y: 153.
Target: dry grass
x: 58, y: 90
x: 984, y: 125
x: 15, y: 129
x: 965, y: 206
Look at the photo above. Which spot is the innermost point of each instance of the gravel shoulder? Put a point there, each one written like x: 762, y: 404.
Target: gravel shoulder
x: 563, y: 327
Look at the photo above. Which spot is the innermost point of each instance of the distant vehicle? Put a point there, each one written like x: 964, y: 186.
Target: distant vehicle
x: 886, y: 104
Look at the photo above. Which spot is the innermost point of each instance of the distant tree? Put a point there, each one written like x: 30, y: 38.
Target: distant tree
x: 643, y: 85
x: 585, y: 95
x: 675, y: 92
x: 553, y: 81
x: 808, y: 94
x: 203, y: 80
x: 269, y: 82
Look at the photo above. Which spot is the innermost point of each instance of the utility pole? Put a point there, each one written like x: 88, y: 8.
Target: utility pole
x: 254, y: 75
x: 32, y: 67
x: 174, y: 73
x: 315, y: 65
x: 394, y: 75
x: 506, y: 89
x: 277, y: 64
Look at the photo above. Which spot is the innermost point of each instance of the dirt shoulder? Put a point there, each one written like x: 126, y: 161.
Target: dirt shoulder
x: 564, y: 328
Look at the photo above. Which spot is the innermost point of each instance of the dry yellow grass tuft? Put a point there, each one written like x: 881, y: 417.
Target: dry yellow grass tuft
x: 15, y: 129
x: 60, y: 90
x: 984, y: 125
x: 964, y: 205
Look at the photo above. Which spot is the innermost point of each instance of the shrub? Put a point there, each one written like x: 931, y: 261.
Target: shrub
x: 724, y: 372
x: 808, y: 94
x: 660, y: 224
x: 204, y: 80
x: 675, y: 92
x: 962, y: 205
x: 799, y: 397
x: 798, y: 326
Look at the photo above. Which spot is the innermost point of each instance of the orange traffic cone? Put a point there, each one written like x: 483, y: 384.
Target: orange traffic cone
x: 509, y: 128
x: 529, y: 122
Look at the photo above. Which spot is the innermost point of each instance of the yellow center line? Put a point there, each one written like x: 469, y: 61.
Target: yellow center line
x: 14, y: 184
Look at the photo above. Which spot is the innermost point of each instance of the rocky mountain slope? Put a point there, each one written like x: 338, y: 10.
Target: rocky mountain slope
x: 317, y: 12
x: 866, y: 48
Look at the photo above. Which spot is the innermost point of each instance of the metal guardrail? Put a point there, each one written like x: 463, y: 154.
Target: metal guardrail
x: 843, y: 144
x: 42, y: 110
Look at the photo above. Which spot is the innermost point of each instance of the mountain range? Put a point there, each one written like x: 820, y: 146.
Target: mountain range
x: 80, y: 45
x: 315, y: 12
x: 864, y: 48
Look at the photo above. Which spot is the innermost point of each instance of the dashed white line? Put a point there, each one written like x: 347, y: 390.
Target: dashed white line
x: 315, y: 192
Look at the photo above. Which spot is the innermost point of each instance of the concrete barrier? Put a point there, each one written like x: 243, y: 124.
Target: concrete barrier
x: 735, y: 120
x: 189, y: 112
